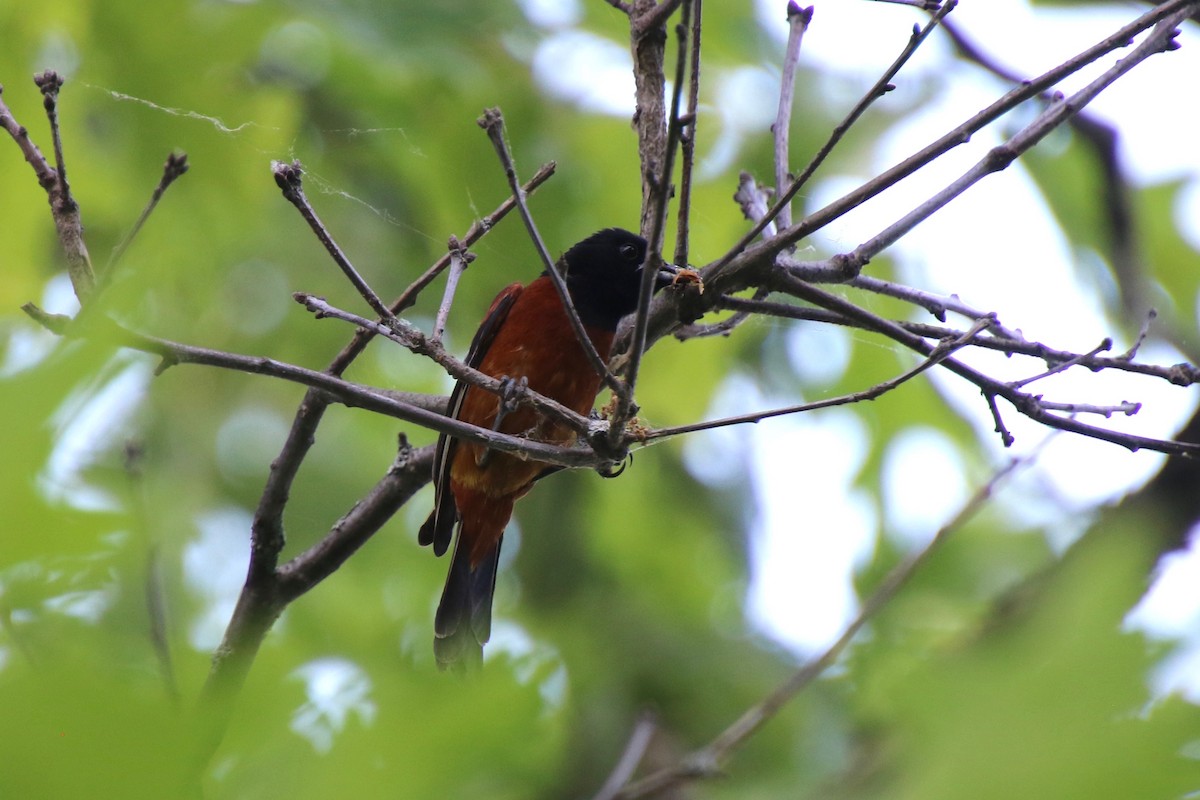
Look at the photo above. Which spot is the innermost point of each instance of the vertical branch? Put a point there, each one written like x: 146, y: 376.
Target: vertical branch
x: 650, y: 119
x: 459, y: 259
x: 798, y: 20
x: 626, y: 407
x: 687, y: 140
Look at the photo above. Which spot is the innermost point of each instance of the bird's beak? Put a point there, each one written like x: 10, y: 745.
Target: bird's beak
x: 666, y: 276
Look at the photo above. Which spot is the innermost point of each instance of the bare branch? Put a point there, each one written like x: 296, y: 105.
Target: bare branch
x: 1103, y: 347
x: 1005, y: 436
x: 459, y: 259
x: 707, y: 761
x: 626, y: 408
x: 687, y: 141
x: 46, y: 176
x: 798, y: 21
x: 924, y: 5
x: 741, y: 255
x: 408, y: 297
x: 627, y: 764
x: 1178, y: 374
x: 417, y: 342
x: 878, y: 90
x: 492, y: 123
x: 940, y: 353
x: 1028, y: 405
x: 1000, y: 157
x: 174, y: 167
x: 289, y: 178
x: 1124, y: 408
x: 53, y: 180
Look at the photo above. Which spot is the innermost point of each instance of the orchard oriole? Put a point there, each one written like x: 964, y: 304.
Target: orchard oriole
x: 525, y: 335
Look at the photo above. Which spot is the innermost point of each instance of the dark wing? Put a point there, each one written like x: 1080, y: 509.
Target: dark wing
x: 438, y: 529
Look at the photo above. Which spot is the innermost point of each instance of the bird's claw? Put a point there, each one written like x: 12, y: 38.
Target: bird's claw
x: 615, y: 469
x: 510, y: 397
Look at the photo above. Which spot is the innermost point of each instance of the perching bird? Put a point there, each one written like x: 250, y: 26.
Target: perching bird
x: 525, y: 335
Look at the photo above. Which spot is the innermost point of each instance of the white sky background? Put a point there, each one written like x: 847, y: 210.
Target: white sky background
x: 811, y: 530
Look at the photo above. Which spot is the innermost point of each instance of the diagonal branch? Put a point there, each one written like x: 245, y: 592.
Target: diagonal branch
x: 173, y: 169
x: 492, y: 122
x: 941, y: 351
x: 999, y: 158
x: 743, y: 256
x: 707, y: 761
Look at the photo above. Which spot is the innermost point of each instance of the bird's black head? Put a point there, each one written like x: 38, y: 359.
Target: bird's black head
x: 604, y: 275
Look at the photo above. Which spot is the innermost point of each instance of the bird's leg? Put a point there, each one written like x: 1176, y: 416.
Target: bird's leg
x: 510, y: 393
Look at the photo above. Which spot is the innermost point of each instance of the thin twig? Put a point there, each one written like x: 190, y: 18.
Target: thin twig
x: 53, y: 180
x: 408, y: 297
x: 1183, y: 374
x: 174, y: 167
x: 459, y: 259
x: 289, y: 178
x: 726, y: 326
x: 492, y: 123
x: 924, y: 5
x: 46, y: 175
x: 1103, y: 347
x: 49, y: 82
x: 936, y: 304
x: 940, y: 353
x: 878, y: 90
x: 627, y: 764
x: 1026, y: 404
x: 1006, y: 438
x: 1143, y: 332
x: 412, y: 339
x: 1124, y: 408
x: 798, y: 21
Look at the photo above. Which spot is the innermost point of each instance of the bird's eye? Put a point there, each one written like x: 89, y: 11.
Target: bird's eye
x: 628, y: 252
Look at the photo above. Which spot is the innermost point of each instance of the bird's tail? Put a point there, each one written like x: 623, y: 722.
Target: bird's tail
x: 464, y: 617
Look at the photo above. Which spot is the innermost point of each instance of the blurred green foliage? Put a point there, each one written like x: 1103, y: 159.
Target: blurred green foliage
x: 619, y: 596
